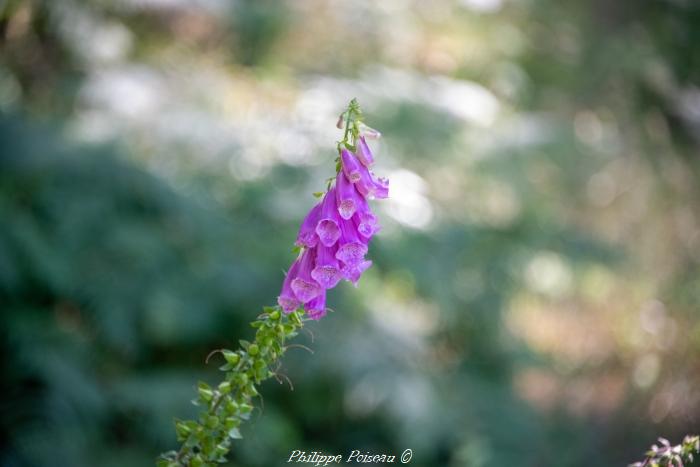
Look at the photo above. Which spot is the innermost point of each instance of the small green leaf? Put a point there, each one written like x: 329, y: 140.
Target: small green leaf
x: 231, y: 357
x: 205, y: 392
x: 235, y: 434
x: 318, y: 194
x: 253, y: 349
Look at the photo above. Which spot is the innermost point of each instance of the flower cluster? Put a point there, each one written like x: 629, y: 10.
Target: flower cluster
x: 667, y: 455
x: 333, y: 237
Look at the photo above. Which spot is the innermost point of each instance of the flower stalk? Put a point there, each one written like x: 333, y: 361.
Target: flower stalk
x: 207, y: 440
x: 331, y: 245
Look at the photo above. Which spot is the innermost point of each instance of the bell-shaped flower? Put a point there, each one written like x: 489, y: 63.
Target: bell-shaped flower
x: 348, y: 199
x: 353, y: 272
x: 369, y: 132
x: 307, y: 232
x: 328, y: 229
x: 352, y: 249
x: 363, y: 153
x: 287, y: 299
x: 366, y: 224
x: 304, y: 286
x: 316, y: 308
x: 371, y: 188
x: 351, y: 166
x: 327, y: 271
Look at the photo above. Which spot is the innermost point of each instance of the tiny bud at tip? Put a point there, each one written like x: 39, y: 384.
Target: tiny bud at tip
x: 369, y: 132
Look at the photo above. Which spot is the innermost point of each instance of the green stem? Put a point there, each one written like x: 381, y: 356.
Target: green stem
x: 353, y: 117
x: 207, y: 440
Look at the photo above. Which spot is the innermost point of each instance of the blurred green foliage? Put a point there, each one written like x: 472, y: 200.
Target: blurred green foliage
x: 534, y: 298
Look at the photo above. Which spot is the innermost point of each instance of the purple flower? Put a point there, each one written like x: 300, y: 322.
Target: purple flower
x: 305, y: 288
x: 286, y: 299
x: 366, y: 224
x: 363, y: 152
x: 316, y: 308
x: 327, y: 271
x: 327, y: 229
x: 353, y: 272
x: 352, y: 249
x: 371, y: 188
x: 307, y: 232
x: 347, y: 197
x: 351, y: 167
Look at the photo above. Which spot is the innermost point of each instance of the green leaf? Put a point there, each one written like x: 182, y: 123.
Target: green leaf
x: 253, y: 349
x: 231, y: 357
x: 234, y: 433
x: 205, y: 392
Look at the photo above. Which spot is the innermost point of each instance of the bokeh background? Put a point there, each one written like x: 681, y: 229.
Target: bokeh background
x: 536, y: 289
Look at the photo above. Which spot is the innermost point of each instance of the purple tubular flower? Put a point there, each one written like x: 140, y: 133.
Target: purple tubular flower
x: 328, y: 229
x: 316, y: 308
x: 305, y: 288
x: 363, y: 152
x: 352, y: 249
x: 286, y: 299
x: 307, y: 232
x: 371, y: 188
x: 351, y: 166
x: 366, y: 224
x: 353, y: 273
x: 327, y: 271
x: 347, y: 197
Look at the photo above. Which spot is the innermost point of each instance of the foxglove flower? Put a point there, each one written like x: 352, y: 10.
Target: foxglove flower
x: 304, y: 286
x: 366, y: 224
x: 327, y: 228
x: 335, y: 234
x: 307, y: 232
x: 351, y: 166
x: 327, y: 271
x: 369, y: 187
x: 353, y: 272
x: 352, y: 249
x: 364, y: 153
x: 316, y: 308
x: 348, y: 199
x: 287, y: 299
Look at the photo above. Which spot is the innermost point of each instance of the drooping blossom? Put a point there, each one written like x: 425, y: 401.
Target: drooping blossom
x: 307, y: 232
x: 335, y: 234
x: 287, y: 298
x: 327, y: 271
x: 303, y: 285
x: 364, y: 153
x: 328, y: 229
